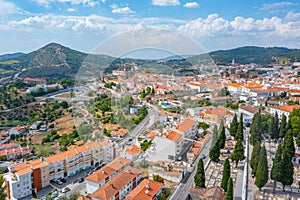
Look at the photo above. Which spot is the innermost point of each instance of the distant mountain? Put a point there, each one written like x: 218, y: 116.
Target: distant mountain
x: 55, y: 61
x: 259, y: 55
x: 10, y: 56
x: 52, y: 61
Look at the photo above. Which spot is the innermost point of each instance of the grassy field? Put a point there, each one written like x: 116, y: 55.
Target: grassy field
x: 64, y: 125
x: 37, y: 143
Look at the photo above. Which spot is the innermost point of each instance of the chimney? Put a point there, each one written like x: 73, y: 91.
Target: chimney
x: 147, y: 186
x: 146, y: 192
x: 103, y: 172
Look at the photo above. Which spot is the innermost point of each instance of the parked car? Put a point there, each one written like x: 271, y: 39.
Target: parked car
x: 54, y: 194
x: 59, y: 182
x: 80, y: 180
x: 63, y: 180
x: 203, y: 156
x: 66, y: 189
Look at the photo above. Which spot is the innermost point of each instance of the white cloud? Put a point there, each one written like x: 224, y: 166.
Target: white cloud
x: 166, y: 2
x: 215, y: 26
x: 272, y: 6
x: 90, y: 3
x: 7, y: 8
x: 71, y: 10
x: 124, y: 10
x: 191, y: 5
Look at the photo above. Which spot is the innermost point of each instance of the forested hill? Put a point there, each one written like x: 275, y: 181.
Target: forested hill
x: 259, y: 55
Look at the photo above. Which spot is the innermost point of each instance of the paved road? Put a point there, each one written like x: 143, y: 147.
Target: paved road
x: 182, y: 189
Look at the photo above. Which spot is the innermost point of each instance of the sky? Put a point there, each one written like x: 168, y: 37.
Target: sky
x: 26, y: 25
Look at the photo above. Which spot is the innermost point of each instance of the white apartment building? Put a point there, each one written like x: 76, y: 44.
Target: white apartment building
x: 19, y: 182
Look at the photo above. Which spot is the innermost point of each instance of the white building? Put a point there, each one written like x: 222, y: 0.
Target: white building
x: 131, y: 152
x: 19, y: 183
x: 283, y: 110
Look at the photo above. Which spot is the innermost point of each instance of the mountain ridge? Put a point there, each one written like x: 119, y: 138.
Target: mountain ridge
x: 55, y: 61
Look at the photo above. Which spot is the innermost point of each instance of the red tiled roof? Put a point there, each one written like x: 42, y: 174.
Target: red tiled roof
x: 146, y: 190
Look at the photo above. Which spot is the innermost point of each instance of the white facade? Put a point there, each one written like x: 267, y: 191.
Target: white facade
x: 163, y: 149
x: 279, y: 112
x: 56, y: 170
x: 295, y: 86
x: 20, y: 185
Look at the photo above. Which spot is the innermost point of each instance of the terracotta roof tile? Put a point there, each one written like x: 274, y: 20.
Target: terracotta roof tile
x: 174, y: 136
x: 186, y: 125
x: 146, y: 190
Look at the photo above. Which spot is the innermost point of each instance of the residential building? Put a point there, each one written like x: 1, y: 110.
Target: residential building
x: 283, y: 110
x: 146, y: 190
x: 101, y: 152
x: 216, y: 115
x: 119, y: 186
x: 131, y: 152
x: 17, y: 130
x: 248, y: 112
x: 106, y: 173
x: 120, y: 133
x: 13, y: 151
x: 26, y: 177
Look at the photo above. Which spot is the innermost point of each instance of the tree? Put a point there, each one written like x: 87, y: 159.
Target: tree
x: 214, y: 152
x: 2, y: 188
x: 276, y: 122
x: 283, y: 127
x: 229, y: 191
x: 289, y: 147
x: 277, y: 168
x: 288, y: 170
x: 222, y: 137
x: 298, y: 140
x: 199, y: 178
x: 214, y: 136
x: 240, y: 133
x: 254, y: 157
x: 233, y: 126
x: 238, y: 152
x: 262, y: 169
x: 225, y: 175
x: 272, y: 128
x: 256, y: 129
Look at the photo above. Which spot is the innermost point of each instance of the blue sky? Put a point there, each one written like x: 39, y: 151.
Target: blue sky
x: 26, y: 25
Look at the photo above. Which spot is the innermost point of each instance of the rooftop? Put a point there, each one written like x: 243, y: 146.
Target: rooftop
x: 146, y: 190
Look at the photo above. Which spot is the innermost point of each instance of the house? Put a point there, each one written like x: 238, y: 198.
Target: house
x: 120, y: 133
x: 13, y: 151
x: 216, y: 115
x: 172, y: 172
x: 221, y: 100
x: 104, y: 174
x: 131, y: 152
x: 283, y: 110
x: 146, y: 190
x: 17, y: 130
x: 248, y: 112
x: 188, y: 128
x: 119, y: 186
x: 212, y: 193
x: 198, y: 87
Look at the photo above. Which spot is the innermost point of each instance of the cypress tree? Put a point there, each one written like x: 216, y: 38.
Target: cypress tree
x: 222, y: 137
x: 262, y: 169
x: 229, y: 192
x: 225, y: 175
x: 233, y: 126
x: 256, y: 129
x: 238, y: 152
x: 287, y: 170
x: 254, y: 157
x: 276, y: 122
x: 214, y: 152
x: 298, y: 140
x: 215, y: 136
x: 199, y: 178
x: 289, y: 147
x: 283, y: 127
x: 240, y: 132
x: 277, y: 168
x: 272, y: 128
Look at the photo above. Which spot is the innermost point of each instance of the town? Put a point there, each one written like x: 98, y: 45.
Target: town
x: 232, y: 133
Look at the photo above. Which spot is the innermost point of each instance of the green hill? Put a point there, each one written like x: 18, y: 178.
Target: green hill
x: 259, y: 55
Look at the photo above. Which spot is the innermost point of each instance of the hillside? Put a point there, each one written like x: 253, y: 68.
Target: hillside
x: 259, y: 55
x: 10, y: 56
x: 55, y: 61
